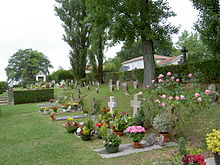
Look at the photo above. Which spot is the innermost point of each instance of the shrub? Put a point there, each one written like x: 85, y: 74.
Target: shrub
x: 32, y: 96
x: 3, y: 86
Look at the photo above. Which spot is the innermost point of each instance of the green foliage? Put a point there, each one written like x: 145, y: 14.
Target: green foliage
x: 60, y: 75
x: 139, y: 118
x: 3, y: 86
x: 182, y: 146
x: 24, y: 64
x: 73, y: 13
x: 33, y: 96
x: 113, y: 64
x: 120, y: 123
x: 162, y: 122
x: 208, y: 24
x: 111, y: 140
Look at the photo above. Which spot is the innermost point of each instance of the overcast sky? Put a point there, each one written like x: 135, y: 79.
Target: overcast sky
x: 32, y: 24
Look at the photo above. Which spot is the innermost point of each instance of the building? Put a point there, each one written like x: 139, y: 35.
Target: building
x: 138, y: 62
x: 40, y: 76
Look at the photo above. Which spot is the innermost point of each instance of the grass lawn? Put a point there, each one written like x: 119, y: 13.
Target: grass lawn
x: 28, y: 137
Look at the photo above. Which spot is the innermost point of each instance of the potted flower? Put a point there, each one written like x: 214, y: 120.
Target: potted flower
x: 46, y: 111
x: 111, y: 143
x: 86, y: 130
x: 100, y: 129
x: 213, y: 143
x: 52, y: 117
x: 136, y: 133
x: 70, y: 125
x: 54, y: 108
x: 163, y: 123
x: 190, y: 159
x: 120, y: 124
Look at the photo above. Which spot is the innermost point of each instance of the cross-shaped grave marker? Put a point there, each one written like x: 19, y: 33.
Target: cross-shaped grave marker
x: 135, y: 104
x: 112, y: 104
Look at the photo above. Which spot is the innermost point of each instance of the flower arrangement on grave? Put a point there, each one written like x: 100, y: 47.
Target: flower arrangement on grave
x: 213, y: 141
x: 191, y: 159
x: 86, y: 130
x: 106, y: 116
x: 120, y: 123
x: 136, y: 133
x: 71, y: 125
x: 98, y: 129
x: 54, y: 108
x: 111, y: 143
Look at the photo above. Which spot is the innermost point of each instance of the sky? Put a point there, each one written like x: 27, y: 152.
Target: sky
x: 33, y: 24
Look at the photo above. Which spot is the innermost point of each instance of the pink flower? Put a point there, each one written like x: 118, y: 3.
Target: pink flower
x: 197, y: 95
x: 160, y: 80
x: 190, y: 75
x: 152, y: 81
x: 182, y: 97
x: 177, y: 97
x: 162, y: 104
x: 160, y: 76
x: 169, y: 74
x: 170, y: 98
x: 147, y: 86
x: 207, y: 92
x: 123, y: 113
x: 177, y: 80
x: 163, y: 96
x: 172, y: 78
x: 199, y: 99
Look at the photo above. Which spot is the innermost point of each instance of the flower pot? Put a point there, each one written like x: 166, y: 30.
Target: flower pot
x: 52, y: 118
x: 217, y: 158
x: 165, y: 135
x: 111, y: 149
x: 85, y: 137
x: 119, y: 133
x: 137, y: 145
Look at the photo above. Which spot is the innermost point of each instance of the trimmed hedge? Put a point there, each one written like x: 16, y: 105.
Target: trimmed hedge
x: 206, y: 72
x: 33, y: 96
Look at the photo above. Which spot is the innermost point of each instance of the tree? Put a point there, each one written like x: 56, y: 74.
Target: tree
x: 196, y: 49
x: 143, y: 20
x: 112, y: 64
x: 208, y: 24
x: 61, y: 74
x: 73, y: 14
x: 24, y: 64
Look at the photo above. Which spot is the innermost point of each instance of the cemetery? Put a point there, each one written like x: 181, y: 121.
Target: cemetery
x: 122, y: 83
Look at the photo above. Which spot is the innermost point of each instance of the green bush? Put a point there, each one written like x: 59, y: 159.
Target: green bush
x: 3, y: 86
x: 32, y: 96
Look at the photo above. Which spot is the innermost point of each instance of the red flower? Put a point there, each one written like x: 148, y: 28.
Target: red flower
x: 123, y: 113
x: 98, y: 124
x: 52, y: 116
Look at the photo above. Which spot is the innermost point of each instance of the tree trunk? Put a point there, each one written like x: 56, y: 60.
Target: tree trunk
x: 100, y: 61
x: 149, y: 63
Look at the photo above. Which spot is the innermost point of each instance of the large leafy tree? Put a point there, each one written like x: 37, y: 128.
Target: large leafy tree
x: 73, y: 13
x: 208, y: 24
x: 143, y: 20
x: 196, y: 49
x: 24, y: 64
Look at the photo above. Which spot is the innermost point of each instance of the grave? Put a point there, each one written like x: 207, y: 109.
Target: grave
x: 126, y: 149
x: 97, y: 90
x: 118, y: 84
x: 112, y: 104
x: 111, y: 85
x: 135, y: 104
x: 135, y: 84
x: 126, y: 88
x: 74, y: 117
x: 214, y: 93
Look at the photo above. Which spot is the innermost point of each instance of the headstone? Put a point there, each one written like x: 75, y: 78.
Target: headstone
x: 93, y: 110
x: 112, y: 104
x: 98, y: 84
x: 97, y: 90
x: 135, y: 84
x: 78, y: 90
x: 79, y: 106
x: 76, y: 83
x: 126, y: 89
x: 93, y: 83
x: 84, y: 83
x: 10, y: 96
x: 213, y: 93
x: 135, y: 104
x: 110, y: 85
x: 88, y: 87
x: 118, y: 84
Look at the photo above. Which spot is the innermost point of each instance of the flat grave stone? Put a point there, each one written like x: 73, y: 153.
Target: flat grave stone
x: 126, y: 149
x: 74, y: 117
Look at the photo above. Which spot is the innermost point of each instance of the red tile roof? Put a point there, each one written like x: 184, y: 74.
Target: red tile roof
x: 168, y: 60
x: 157, y: 57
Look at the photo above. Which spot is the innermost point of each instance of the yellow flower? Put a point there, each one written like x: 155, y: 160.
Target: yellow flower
x: 213, y: 141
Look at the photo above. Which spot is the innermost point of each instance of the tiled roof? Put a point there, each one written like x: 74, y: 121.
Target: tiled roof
x: 157, y: 57
x: 168, y: 60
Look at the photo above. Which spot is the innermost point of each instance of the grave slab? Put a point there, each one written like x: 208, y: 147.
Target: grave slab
x: 126, y: 149
x: 210, y: 161
x: 74, y: 117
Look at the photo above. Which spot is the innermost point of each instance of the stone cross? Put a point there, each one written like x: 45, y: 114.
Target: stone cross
x: 118, y: 84
x: 135, y: 84
x: 110, y: 85
x: 112, y: 104
x: 135, y: 104
x: 213, y: 93
x: 126, y: 88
